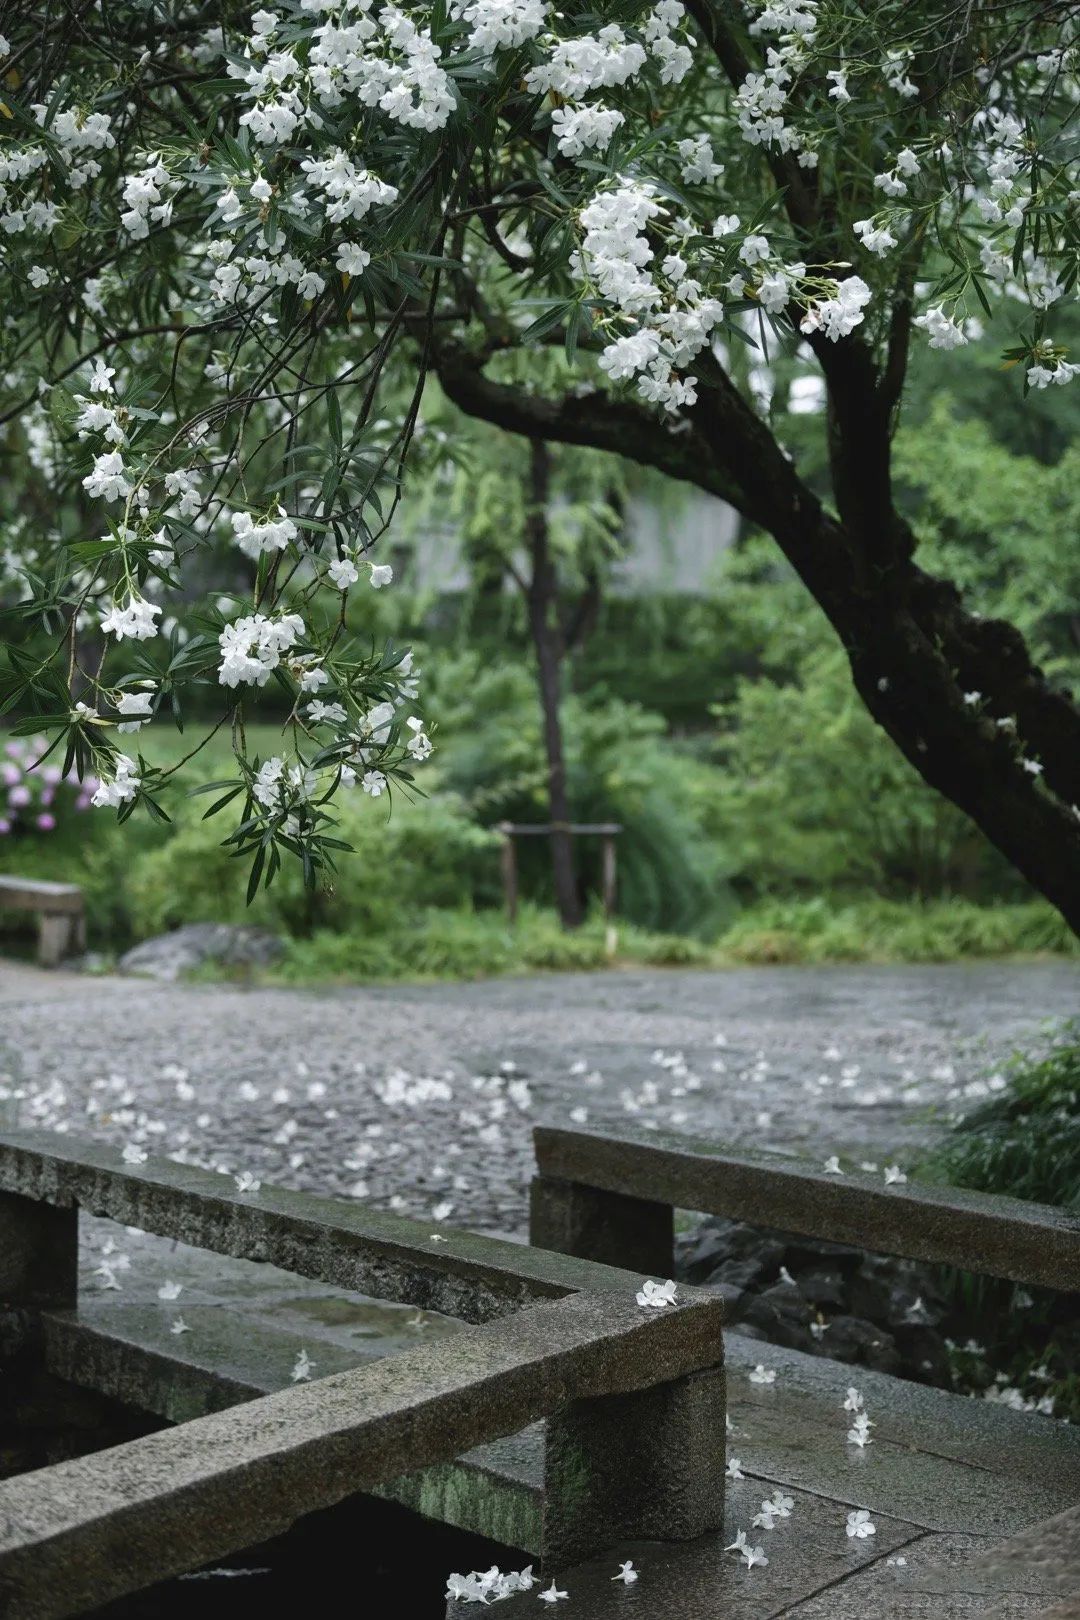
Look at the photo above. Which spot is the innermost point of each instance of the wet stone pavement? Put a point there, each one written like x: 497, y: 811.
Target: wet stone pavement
x: 421, y: 1098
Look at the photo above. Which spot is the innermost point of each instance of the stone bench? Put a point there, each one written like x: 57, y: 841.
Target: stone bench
x: 60, y: 912
x: 957, y: 1488
x: 632, y: 1399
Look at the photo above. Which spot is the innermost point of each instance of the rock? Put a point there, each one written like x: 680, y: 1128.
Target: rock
x: 715, y: 1240
x: 822, y: 1287
x: 801, y: 1252
x: 169, y: 955
x: 783, y: 1316
x: 732, y: 1279
x: 924, y: 1356
x: 850, y: 1338
x: 699, y: 1252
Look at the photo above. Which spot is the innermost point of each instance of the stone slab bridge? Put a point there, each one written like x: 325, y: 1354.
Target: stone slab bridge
x: 563, y: 1420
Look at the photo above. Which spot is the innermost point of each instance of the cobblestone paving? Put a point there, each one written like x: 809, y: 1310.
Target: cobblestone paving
x: 421, y: 1097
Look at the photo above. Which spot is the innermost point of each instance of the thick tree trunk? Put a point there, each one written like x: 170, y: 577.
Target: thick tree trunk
x: 542, y: 602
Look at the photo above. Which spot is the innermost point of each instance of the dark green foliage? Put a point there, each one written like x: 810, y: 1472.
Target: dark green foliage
x: 1026, y: 1140
x: 1025, y: 1143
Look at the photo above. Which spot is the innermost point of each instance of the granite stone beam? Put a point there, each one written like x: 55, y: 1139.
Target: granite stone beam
x: 77, y: 1534
x: 1029, y: 1243
x: 350, y: 1246
x: 593, y: 1224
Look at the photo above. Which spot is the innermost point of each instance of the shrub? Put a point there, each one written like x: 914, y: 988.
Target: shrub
x: 867, y: 929
x: 424, y: 854
x: 463, y: 944
x: 620, y: 767
x: 1025, y: 1141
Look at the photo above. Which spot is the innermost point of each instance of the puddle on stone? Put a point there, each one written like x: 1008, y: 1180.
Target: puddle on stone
x: 364, y: 1318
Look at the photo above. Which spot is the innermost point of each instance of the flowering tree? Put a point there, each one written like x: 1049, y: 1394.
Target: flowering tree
x: 235, y: 244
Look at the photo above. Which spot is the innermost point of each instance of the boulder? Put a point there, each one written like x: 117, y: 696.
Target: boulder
x: 168, y: 956
x: 850, y: 1338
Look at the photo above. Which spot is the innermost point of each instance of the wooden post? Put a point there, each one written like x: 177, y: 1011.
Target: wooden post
x: 608, y: 889
x: 509, y: 872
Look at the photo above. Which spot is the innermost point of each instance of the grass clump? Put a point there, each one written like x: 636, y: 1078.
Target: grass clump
x: 438, y: 943
x: 1025, y: 1141
x: 829, y: 928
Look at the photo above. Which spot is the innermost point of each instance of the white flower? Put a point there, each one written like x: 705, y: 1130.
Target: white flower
x: 101, y: 377
x: 656, y: 1294
x: 352, y: 259
x: 836, y: 317
x: 251, y: 647
x: 580, y: 129
x: 178, y: 1326
x: 136, y: 621
x: 170, y: 1290
x: 832, y: 1166
x: 381, y: 574
x: 762, y: 1375
x: 754, y: 1555
x: 123, y: 787
x: 246, y: 1182
x: 860, y: 1525
x: 734, y: 1469
x: 627, y: 1573
x: 853, y: 1401
x: 38, y: 276
x: 1032, y: 767
x: 552, y: 1595
x: 875, y: 238
x: 302, y: 1368
x: 257, y: 539
x: 738, y: 1544
x: 136, y: 708
x: 839, y: 91
x: 108, y: 481
x: 699, y: 166
x: 373, y: 782
x: 342, y: 573
x: 419, y: 744
x: 754, y: 250
x: 942, y: 330
x: 133, y: 1154
x: 894, y: 1175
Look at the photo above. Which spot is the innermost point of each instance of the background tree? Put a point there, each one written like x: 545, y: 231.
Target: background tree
x: 547, y: 522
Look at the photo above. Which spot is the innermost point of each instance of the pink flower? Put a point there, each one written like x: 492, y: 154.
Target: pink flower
x: 10, y: 774
x: 18, y: 797
x: 5, y: 826
x: 46, y: 822
x: 47, y: 795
